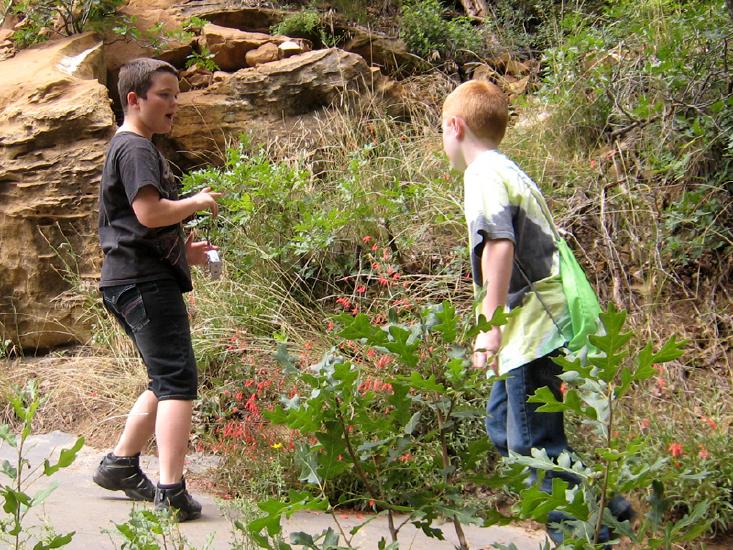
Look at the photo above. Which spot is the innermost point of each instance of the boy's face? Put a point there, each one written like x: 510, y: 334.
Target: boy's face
x: 154, y: 114
x: 452, y: 127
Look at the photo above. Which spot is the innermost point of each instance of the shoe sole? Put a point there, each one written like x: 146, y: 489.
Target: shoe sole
x: 177, y: 514
x: 132, y: 494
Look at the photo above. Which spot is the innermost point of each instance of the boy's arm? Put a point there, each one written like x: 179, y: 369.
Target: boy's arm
x: 496, y: 270
x: 153, y: 211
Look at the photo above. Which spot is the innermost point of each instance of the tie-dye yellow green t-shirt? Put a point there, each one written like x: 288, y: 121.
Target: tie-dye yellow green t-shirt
x: 502, y: 202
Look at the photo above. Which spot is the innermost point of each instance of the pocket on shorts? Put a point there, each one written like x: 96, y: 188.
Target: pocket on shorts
x: 127, y: 303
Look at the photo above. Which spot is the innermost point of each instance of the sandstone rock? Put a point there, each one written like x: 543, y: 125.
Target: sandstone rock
x: 266, y: 101
x: 290, y: 48
x: 55, y: 122
x: 194, y: 78
x: 227, y: 13
x: 390, y: 54
x: 230, y: 46
x: 7, y: 48
x: 266, y: 53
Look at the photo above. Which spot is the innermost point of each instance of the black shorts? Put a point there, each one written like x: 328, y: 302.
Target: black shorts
x: 154, y: 315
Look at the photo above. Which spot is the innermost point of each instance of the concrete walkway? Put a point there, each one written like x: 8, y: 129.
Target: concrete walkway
x: 80, y: 505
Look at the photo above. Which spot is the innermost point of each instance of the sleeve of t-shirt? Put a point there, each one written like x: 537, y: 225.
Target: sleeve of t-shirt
x: 139, y: 166
x: 488, y: 210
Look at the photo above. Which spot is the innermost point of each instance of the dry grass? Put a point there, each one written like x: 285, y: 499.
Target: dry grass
x: 82, y: 394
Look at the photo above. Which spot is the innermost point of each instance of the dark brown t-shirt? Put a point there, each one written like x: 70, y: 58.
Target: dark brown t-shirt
x: 134, y: 253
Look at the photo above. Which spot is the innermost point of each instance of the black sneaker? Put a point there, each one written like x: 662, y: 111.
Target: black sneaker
x: 123, y: 473
x: 178, y: 500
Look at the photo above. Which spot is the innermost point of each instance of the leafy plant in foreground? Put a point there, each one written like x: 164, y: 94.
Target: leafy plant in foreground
x: 17, y: 501
x: 592, y: 390
x: 375, y: 424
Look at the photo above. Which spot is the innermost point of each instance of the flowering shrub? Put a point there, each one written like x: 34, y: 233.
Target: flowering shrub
x: 592, y: 391
x: 376, y: 425
x: 250, y: 447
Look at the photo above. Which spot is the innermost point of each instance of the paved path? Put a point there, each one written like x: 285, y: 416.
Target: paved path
x: 80, y: 505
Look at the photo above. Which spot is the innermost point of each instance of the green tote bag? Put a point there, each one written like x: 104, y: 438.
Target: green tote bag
x: 582, y: 300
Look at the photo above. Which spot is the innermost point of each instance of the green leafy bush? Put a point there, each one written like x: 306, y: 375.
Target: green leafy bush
x: 427, y: 32
x: 647, y: 84
x: 309, y: 24
x: 302, y: 221
x: 17, y: 501
x: 389, y: 427
x: 204, y: 59
x: 303, y: 24
x: 41, y: 19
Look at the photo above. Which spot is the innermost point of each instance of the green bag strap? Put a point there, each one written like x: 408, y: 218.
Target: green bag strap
x: 545, y: 210
x: 539, y: 296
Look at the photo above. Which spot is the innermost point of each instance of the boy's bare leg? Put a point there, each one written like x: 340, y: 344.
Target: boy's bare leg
x: 139, y: 427
x: 172, y: 429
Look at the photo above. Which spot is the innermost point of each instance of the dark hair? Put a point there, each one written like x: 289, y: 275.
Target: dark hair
x: 137, y: 76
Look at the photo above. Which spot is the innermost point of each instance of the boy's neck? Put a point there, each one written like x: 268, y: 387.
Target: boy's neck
x: 131, y: 125
x: 473, y: 149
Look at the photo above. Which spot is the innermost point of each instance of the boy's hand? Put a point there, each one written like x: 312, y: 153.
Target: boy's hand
x: 196, y: 251
x: 485, y: 350
x: 206, y: 200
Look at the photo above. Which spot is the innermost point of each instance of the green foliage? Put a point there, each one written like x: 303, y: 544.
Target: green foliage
x: 7, y: 348
x: 302, y: 222
x: 524, y: 27
x: 375, y: 425
x: 309, y: 24
x: 152, y: 530
x: 303, y: 24
x: 592, y: 392
x: 21, y: 474
x: 204, y: 59
x: 43, y: 18
x: 427, y: 32
x: 649, y: 81
x: 194, y: 24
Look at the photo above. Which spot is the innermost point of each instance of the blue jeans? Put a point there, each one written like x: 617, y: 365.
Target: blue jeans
x: 515, y: 425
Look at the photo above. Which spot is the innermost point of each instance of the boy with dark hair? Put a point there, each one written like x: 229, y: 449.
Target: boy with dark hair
x: 515, y: 260
x: 144, y: 275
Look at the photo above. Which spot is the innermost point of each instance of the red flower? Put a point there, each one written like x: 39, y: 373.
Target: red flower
x: 361, y: 289
x: 405, y: 457
x: 383, y: 281
x: 675, y: 449
x: 383, y: 361
x: 330, y: 326
x: 703, y: 454
x: 366, y: 239
x: 644, y: 424
x: 710, y: 422
x: 375, y: 266
x: 374, y: 247
x: 563, y: 389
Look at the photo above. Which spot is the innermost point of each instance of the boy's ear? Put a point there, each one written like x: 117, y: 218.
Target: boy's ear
x: 132, y: 99
x: 457, y: 125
